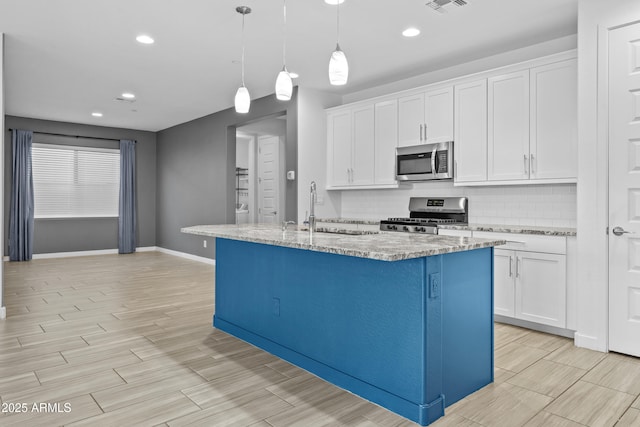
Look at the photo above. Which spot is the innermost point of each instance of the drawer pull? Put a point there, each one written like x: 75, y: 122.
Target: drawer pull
x: 516, y: 241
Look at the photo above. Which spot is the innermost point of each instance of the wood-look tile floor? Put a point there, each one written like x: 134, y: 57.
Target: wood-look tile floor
x: 126, y: 340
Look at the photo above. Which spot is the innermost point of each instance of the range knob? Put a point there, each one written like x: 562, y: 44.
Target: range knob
x: 420, y: 229
x: 393, y: 227
x: 405, y: 228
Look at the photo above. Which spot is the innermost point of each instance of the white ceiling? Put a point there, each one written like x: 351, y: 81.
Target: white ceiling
x: 67, y: 58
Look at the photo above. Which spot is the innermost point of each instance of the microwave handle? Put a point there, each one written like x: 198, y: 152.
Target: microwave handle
x: 433, y: 162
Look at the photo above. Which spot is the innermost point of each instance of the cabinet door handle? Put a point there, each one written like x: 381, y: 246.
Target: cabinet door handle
x: 510, y: 266
x: 420, y: 132
x: 526, y: 164
x: 532, y: 163
x: 517, y: 266
x: 425, y: 131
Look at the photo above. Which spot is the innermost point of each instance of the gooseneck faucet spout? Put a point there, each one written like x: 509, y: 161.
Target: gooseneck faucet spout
x: 312, y: 202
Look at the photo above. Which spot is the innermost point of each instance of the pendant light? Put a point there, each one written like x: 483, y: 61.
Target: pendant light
x: 284, y: 85
x: 338, y: 65
x: 242, y: 100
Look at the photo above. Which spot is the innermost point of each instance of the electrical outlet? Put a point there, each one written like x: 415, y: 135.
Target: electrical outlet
x: 434, y: 285
x: 204, y: 243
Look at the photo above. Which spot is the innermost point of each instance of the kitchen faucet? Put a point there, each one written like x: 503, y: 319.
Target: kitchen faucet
x: 312, y: 202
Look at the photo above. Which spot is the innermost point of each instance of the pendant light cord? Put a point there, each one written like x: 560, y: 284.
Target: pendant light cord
x: 284, y: 34
x: 243, y: 14
x: 338, y: 24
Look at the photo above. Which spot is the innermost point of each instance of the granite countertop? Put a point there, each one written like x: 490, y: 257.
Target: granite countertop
x: 381, y: 246
x: 497, y: 228
x: 349, y: 221
x: 519, y: 229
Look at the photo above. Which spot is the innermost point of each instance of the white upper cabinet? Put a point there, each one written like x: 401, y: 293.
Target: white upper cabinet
x: 361, y: 143
x: 513, y: 125
x: 508, y: 127
x: 426, y: 117
x: 554, y: 122
x: 438, y: 109
x: 363, y: 151
x: 470, y: 142
x: 410, y: 120
x: 340, y: 149
x: 386, y: 141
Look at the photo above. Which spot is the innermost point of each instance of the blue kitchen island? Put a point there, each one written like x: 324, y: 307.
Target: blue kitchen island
x: 403, y: 320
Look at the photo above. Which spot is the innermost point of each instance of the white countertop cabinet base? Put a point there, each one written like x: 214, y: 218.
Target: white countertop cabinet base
x: 531, y: 278
x: 531, y: 286
x: 540, y: 293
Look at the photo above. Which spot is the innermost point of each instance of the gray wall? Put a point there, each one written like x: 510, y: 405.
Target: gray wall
x: 196, y: 173
x: 82, y: 234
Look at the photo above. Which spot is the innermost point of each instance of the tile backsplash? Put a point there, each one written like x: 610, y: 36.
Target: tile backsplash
x: 543, y: 205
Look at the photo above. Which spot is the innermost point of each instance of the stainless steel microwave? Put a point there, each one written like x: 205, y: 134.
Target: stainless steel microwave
x: 425, y: 162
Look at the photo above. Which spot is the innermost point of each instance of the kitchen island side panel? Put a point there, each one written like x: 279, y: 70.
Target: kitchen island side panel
x: 372, y: 327
x: 467, y: 299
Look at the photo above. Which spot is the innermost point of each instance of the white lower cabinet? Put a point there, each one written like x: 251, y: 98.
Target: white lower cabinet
x: 530, y: 286
x: 541, y: 291
x: 504, y: 286
x: 530, y: 278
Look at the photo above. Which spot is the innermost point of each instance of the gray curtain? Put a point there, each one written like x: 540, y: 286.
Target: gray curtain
x: 21, y: 213
x: 127, y: 209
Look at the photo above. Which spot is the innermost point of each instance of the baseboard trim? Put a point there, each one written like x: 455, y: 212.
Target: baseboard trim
x: 567, y: 333
x: 587, y: 341
x: 85, y: 253
x: 187, y: 256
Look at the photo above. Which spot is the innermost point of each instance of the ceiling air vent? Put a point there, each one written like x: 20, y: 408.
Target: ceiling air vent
x: 439, y: 5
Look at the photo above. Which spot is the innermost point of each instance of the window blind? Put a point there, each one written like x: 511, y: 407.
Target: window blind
x: 71, y: 181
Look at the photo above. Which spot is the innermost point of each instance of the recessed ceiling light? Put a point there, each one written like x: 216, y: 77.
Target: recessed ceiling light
x: 96, y: 114
x: 334, y: 1
x: 128, y: 95
x: 411, y: 32
x: 144, y: 39
x: 293, y: 75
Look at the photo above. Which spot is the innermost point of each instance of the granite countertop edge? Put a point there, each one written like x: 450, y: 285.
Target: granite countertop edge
x: 496, y: 228
x: 516, y: 229
x: 381, y: 246
x: 349, y: 221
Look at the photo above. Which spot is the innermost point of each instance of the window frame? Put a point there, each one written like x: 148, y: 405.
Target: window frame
x: 75, y: 148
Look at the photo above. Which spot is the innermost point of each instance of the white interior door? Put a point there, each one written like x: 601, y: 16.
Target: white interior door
x: 624, y: 190
x: 268, y: 179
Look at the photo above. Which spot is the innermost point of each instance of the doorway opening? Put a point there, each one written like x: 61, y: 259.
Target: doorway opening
x: 260, y: 171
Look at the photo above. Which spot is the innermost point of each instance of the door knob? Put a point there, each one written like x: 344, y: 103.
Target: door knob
x: 619, y: 231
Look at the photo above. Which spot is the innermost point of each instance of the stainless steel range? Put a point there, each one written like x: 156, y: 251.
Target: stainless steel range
x: 426, y: 213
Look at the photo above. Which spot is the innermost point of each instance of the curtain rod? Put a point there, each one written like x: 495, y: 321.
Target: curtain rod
x: 75, y: 136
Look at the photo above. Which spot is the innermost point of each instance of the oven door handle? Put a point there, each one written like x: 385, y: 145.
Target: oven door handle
x: 434, y: 166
